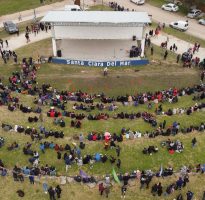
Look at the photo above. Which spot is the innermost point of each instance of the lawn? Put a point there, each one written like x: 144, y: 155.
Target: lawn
x: 100, y: 8
x: 121, y: 81
x: 158, y: 75
x: 12, y: 6
x: 77, y: 191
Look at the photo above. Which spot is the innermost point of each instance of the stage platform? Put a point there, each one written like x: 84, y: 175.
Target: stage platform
x: 101, y: 50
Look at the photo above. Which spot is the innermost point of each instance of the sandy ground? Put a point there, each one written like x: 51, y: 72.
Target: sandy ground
x: 158, y: 15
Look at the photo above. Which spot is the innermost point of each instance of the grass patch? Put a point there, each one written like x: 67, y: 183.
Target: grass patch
x: 78, y: 191
x: 12, y: 6
x: 100, y: 8
x: 132, y: 80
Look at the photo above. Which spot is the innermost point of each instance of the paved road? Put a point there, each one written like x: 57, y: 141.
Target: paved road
x: 166, y: 17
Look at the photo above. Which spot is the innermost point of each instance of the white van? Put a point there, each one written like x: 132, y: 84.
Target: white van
x: 72, y: 8
x: 180, y: 25
x: 138, y: 2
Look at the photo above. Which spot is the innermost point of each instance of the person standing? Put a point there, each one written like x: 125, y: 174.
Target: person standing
x: 31, y: 179
x: 159, y: 189
x: 118, y: 150
x: 194, y: 141
x: 118, y: 163
x: 164, y: 124
x: 51, y: 193
x: 1, y: 42
x: 165, y: 55
x: 7, y: 44
x: 20, y: 17
x: 178, y: 58
x: 203, y: 198
x: 107, y: 191
x: 101, y: 188
x: 202, y: 76
x: 152, y: 50
x: 27, y: 37
x: 123, y: 191
x: 58, y: 191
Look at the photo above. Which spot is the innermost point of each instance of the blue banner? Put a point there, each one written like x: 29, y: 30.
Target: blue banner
x: 120, y: 63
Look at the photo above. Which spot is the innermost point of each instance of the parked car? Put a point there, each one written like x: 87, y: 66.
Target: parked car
x: 180, y: 25
x: 138, y: 2
x: 10, y: 27
x: 170, y: 7
x: 194, y: 13
x: 202, y: 21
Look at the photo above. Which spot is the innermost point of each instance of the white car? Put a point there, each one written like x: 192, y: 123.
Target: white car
x: 179, y: 25
x: 170, y: 7
x: 194, y: 13
x: 202, y: 21
x: 138, y: 2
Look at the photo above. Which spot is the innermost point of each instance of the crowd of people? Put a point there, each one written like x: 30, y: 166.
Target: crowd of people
x: 24, y: 82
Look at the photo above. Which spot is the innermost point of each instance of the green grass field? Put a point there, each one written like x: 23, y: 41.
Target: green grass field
x: 158, y: 75
x: 13, y: 6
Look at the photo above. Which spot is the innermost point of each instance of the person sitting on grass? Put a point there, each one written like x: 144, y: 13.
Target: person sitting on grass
x: 13, y: 146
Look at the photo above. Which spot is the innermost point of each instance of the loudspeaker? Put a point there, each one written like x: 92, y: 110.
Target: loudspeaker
x: 134, y: 38
x: 59, y: 54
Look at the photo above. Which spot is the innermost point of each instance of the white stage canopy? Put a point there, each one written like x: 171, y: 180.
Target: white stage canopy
x: 98, y: 25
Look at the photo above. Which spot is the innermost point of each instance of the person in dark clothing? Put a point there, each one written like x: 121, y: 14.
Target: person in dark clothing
x: 51, y: 193
x: 178, y: 58
x: 165, y: 55
x: 58, y: 155
x: 203, y: 198
x: 31, y: 179
x: 58, y: 191
x: 118, y: 163
x: 7, y: 44
x: 194, y: 141
x: 154, y: 189
x: 159, y: 189
x: 123, y: 190
x: 189, y: 195
x: 164, y: 124
x: 118, y: 150
x: 202, y: 76
x: 152, y: 50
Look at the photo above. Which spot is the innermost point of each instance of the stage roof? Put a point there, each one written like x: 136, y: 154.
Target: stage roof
x: 96, y: 17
